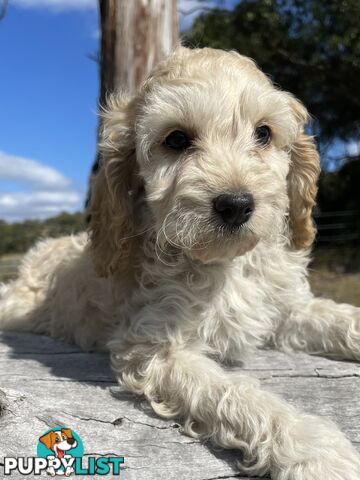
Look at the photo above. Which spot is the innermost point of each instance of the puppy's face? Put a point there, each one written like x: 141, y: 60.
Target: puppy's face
x: 59, y: 441
x: 64, y: 441
x: 220, y: 153
x: 213, y: 146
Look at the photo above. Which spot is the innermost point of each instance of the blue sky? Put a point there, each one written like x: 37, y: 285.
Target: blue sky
x: 48, y: 103
x: 48, y: 97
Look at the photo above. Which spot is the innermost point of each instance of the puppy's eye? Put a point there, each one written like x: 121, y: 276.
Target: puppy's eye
x: 177, y: 140
x: 263, y: 135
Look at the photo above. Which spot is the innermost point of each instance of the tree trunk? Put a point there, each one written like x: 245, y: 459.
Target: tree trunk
x: 146, y: 32
x: 107, y: 10
x: 135, y: 35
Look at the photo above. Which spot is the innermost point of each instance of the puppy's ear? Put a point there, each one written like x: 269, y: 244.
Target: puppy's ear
x: 67, y: 432
x: 302, y: 181
x: 48, y: 440
x: 111, y: 206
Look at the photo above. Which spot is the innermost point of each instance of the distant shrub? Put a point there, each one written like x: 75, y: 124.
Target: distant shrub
x: 19, y: 237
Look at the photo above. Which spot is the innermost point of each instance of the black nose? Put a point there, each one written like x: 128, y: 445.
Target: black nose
x: 234, y: 209
x: 71, y: 440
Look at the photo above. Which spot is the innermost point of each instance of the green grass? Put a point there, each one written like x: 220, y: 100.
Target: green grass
x: 335, y: 273
x: 339, y: 259
x: 342, y: 287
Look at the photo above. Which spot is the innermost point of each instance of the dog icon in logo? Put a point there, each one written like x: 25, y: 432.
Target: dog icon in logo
x: 60, y: 442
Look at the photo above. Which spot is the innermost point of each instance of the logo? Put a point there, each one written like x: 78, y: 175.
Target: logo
x: 60, y: 451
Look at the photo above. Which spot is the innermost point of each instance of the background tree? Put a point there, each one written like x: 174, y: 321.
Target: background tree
x: 135, y: 35
x: 309, y: 47
x: 312, y: 49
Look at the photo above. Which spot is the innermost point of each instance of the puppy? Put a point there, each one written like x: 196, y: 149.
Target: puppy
x: 197, y: 251
x: 59, y: 442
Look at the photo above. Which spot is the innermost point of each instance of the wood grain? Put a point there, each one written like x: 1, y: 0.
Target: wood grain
x: 44, y: 383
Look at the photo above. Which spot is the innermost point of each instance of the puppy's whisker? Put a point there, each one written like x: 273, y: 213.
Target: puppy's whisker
x: 189, y: 226
x: 169, y: 240
x: 136, y: 234
x: 158, y: 249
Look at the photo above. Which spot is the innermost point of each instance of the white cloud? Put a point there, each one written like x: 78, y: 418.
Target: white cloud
x: 189, y: 10
x: 20, y: 206
x: 44, y: 191
x: 24, y: 170
x: 57, y: 4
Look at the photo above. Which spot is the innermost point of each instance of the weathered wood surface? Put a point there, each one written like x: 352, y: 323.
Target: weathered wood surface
x: 44, y: 383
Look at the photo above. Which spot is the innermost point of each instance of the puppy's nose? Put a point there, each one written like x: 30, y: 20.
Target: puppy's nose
x: 71, y: 440
x: 234, y: 209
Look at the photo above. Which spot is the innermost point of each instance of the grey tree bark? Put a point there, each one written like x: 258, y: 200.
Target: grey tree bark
x: 146, y: 30
x: 135, y: 35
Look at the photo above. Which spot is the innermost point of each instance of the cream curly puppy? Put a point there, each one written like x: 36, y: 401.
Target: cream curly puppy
x: 198, y: 249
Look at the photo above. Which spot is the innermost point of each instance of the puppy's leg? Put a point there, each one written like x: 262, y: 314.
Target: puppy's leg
x: 233, y: 412
x: 17, y: 301
x: 322, y: 326
x: 21, y: 298
x: 28, y: 302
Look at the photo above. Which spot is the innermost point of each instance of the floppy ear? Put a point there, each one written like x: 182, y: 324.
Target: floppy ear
x: 111, y: 206
x: 67, y: 432
x: 302, y: 182
x: 48, y: 440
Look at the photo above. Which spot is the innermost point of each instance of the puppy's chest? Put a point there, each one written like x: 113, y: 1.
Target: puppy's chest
x: 241, y: 314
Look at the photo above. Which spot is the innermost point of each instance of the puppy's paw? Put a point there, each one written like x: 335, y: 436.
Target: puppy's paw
x: 331, y: 466
x: 69, y: 471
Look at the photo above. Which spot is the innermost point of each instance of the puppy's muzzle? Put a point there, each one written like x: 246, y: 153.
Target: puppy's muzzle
x: 234, y: 209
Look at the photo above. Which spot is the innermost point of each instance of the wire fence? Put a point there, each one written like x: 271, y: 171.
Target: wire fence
x: 9, y: 267
x: 338, y: 228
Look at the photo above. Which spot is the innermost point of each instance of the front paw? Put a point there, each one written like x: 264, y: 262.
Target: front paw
x: 328, y: 458
x: 69, y: 471
x: 331, y: 468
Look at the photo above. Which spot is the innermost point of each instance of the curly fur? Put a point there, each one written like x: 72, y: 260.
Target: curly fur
x: 176, y: 297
